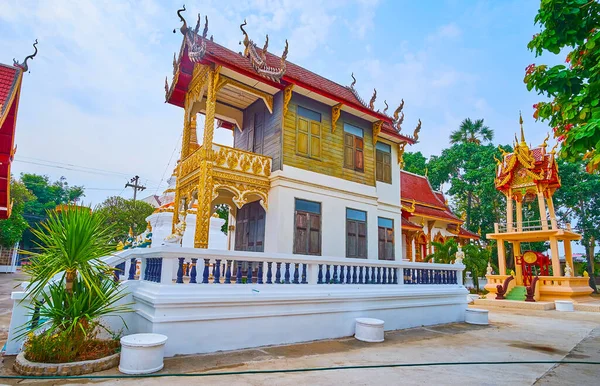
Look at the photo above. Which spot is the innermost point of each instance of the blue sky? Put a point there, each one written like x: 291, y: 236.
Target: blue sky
x: 94, y: 98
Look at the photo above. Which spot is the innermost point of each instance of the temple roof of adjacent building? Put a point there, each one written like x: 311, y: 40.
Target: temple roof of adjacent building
x: 428, y: 202
x: 207, y: 51
x: 10, y: 90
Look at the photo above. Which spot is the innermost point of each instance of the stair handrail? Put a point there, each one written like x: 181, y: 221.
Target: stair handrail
x: 502, y: 289
x: 530, y: 295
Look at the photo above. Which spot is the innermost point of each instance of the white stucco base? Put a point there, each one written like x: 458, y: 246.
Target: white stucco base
x: 209, y: 318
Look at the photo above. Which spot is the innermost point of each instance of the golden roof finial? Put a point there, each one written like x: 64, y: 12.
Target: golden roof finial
x: 545, y: 143
x: 522, y: 132
x: 130, y: 231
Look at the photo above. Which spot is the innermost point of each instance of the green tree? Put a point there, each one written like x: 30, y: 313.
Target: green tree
x: 223, y: 212
x: 11, y: 229
x: 445, y: 252
x: 120, y: 214
x: 475, y: 261
x: 578, y: 202
x: 48, y: 194
x: 574, y: 91
x: 472, y: 132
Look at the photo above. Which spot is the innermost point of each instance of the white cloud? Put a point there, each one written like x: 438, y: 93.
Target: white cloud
x: 445, y: 32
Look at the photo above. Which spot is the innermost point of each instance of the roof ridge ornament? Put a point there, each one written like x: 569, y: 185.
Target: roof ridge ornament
x: 24, y: 65
x: 258, y: 57
x: 386, y: 107
x: 372, y: 101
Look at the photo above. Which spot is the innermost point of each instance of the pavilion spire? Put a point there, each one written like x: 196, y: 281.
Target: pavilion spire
x: 522, y: 131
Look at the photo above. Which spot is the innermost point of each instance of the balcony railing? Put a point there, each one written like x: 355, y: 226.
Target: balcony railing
x: 169, y: 266
x: 530, y: 226
x: 228, y: 159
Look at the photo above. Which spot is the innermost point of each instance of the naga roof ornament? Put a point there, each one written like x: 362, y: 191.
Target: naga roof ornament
x: 397, y: 118
x: 195, y: 44
x: 372, y: 101
x: 386, y: 107
x: 353, y: 90
x: 258, y: 57
x: 23, y: 65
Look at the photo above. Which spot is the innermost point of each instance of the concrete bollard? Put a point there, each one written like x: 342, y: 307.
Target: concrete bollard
x: 369, y: 330
x: 477, y: 316
x: 142, y: 353
x: 564, y: 305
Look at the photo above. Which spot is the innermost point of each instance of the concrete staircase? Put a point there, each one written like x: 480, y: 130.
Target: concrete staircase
x: 517, y: 293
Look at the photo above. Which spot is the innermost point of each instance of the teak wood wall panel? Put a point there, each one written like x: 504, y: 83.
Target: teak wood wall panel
x: 331, y: 161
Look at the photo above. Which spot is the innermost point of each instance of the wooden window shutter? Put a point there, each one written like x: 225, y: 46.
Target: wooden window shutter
x: 389, y: 245
x: 351, y: 238
x: 349, y: 151
x: 314, y: 238
x: 315, y: 139
x: 379, y: 165
x: 301, y: 233
x: 302, y: 136
x: 362, y: 240
x: 358, y: 155
x: 381, y: 242
x: 387, y: 167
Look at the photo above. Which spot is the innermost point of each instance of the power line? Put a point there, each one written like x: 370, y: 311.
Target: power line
x: 134, y: 184
x: 169, y: 163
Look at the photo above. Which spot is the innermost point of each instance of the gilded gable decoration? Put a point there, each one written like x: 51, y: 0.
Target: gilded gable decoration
x: 336, y: 111
x: 287, y: 97
x: 376, y: 130
x: 258, y: 58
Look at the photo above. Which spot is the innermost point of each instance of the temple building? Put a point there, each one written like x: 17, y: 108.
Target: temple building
x: 11, y: 77
x: 530, y: 175
x: 314, y: 169
x: 426, y: 217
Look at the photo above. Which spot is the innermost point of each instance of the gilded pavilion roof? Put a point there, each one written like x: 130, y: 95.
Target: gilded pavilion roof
x: 260, y: 64
x: 526, y: 171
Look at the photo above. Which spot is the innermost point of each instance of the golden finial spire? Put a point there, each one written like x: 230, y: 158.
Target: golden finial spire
x: 522, y: 132
x: 545, y: 143
x: 130, y: 231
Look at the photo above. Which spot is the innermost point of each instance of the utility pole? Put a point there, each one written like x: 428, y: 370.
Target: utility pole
x: 133, y: 183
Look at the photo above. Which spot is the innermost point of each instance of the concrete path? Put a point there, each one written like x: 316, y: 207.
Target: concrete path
x: 513, y: 335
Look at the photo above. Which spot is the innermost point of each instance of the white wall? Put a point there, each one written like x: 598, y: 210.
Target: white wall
x: 334, y: 194
x: 390, y: 193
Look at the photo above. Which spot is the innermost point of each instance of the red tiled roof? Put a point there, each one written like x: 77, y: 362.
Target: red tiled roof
x: 9, y: 101
x: 433, y: 212
x: 8, y: 79
x: 406, y: 224
x: 294, y: 74
x: 415, y: 187
x: 467, y: 234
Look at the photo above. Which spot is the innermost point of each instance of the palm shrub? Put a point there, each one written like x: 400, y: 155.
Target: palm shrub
x: 444, y: 253
x: 475, y: 261
x: 70, y: 286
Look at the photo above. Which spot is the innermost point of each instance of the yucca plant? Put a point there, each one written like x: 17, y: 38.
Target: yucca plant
x: 71, y: 243
x: 71, y: 287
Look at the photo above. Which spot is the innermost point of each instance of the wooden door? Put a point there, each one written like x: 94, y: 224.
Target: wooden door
x: 250, y: 228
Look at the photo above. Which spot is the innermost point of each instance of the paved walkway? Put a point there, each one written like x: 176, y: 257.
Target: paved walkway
x: 516, y: 335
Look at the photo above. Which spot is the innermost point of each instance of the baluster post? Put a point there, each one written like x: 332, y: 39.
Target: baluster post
x: 287, y: 274
x: 335, y: 274
x: 349, y: 274
x: 132, y: 268
x: 217, y: 272
x: 269, y: 272
x: 360, y: 274
x: 228, y: 272
x: 259, y: 273
x: 296, y: 273
x: 249, y: 273
x: 193, y: 272
x: 354, y: 278
x: 206, y: 271
x: 304, y: 281
x: 342, y: 276
x: 384, y: 278
x: 278, y: 273
x: 238, y: 272
x: 327, y: 274
x: 180, y: 271
x: 320, y: 277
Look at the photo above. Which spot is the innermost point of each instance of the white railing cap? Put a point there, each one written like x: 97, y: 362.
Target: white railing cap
x: 176, y: 252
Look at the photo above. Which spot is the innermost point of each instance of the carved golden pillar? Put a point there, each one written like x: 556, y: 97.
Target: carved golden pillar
x: 193, y: 144
x: 205, y: 185
x: 519, y: 208
x: 554, y: 255
x: 568, y: 253
x: 185, y: 139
